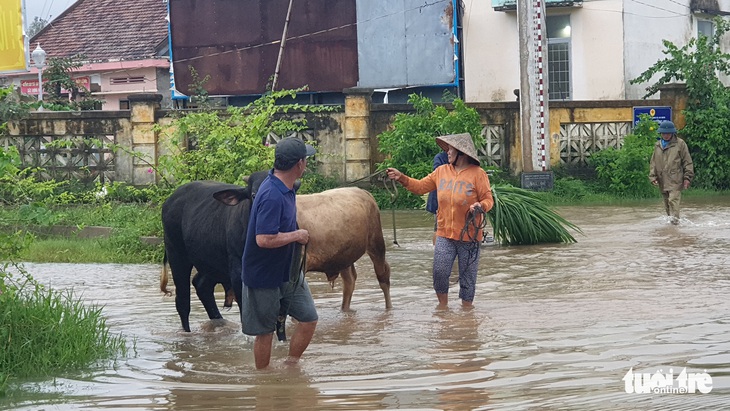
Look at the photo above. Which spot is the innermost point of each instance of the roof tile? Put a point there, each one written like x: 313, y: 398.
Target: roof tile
x: 106, y: 30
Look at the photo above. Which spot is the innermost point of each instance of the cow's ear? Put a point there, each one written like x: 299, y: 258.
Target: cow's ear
x: 231, y: 197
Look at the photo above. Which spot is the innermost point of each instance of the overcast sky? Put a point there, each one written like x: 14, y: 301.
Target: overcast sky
x: 45, y: 9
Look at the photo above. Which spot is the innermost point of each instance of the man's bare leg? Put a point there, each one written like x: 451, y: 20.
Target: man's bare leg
x: 300, y: 341
x: 262, y: 350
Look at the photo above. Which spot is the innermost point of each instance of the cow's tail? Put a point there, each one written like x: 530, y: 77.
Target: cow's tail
x: 163, y: 276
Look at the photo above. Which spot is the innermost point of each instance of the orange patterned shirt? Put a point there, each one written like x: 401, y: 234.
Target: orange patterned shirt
x: 456, y: 191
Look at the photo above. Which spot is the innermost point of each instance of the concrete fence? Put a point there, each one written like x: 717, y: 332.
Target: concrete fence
x: 346, y: 138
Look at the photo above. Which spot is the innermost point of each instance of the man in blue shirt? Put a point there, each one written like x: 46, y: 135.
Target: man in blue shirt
x: 273, y: 281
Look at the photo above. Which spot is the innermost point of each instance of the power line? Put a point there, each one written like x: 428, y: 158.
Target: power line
x: 678, y: 3
x: 50, y: 7
x: 660, y: 8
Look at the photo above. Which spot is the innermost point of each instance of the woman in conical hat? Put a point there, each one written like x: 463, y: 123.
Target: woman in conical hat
x: 462, y: 187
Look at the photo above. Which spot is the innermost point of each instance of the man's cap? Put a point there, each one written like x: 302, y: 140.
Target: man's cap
x: 666, y: 127
x: 292, y: 149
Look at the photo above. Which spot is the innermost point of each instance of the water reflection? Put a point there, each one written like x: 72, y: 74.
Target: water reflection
x: 554, y: 326
x: 461, y: 356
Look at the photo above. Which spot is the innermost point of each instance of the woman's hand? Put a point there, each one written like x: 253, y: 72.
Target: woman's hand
x: 475, y: 207
x: 393, y: 173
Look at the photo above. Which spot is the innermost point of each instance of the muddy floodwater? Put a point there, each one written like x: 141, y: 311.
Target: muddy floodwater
x: 554, y: 327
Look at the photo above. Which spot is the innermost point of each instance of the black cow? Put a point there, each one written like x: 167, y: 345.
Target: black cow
x: 204, y: 233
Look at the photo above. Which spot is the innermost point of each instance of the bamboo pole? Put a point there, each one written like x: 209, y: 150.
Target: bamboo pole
x: 281, y: 48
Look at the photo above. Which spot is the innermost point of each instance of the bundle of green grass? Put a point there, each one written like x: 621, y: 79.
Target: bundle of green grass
x: 520, y: 217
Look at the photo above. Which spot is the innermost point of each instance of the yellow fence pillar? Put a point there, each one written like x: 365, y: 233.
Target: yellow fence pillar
x: 144, y: 137
x: 676, y: 95
x: 357, y: 133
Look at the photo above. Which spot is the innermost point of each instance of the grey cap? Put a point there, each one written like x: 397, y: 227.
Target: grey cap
x: 666, y: 127
x: 292, y: 149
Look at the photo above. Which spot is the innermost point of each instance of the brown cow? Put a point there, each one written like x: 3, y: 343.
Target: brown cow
x: 344, y: 224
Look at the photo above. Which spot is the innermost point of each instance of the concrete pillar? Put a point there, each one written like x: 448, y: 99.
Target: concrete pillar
x: 144, y: 137
x: 676, y: 96
x: 533, y: 93
x: 533, y: 96
x: 357, y: 133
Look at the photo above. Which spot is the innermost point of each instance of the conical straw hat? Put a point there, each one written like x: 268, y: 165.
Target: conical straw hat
x: 461, y: 142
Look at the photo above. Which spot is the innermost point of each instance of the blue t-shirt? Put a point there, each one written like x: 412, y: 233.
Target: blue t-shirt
x: 432, y: 204
x: 274, y: 211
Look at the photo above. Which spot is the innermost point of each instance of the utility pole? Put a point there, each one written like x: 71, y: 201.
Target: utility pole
x: 534, y: 118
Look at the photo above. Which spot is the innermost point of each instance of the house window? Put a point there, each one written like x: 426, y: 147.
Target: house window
x: 124, y: 104
x: 705, y: 28
x: 558, y: 34
x: 126, y: 80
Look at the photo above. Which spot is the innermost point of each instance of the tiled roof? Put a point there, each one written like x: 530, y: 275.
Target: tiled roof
x: 106, y: 30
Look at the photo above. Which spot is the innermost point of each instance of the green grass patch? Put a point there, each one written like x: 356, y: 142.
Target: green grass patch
x: 129, y: 222
x: 44, y: 332
x: 101, y: 250
x: 143, y: 218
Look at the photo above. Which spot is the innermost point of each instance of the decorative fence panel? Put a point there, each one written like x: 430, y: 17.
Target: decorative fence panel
x: 494, y: 136
x: 86, y: 158
x: 579, y: 140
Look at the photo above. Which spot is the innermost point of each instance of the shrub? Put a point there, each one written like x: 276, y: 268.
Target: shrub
x: 707, y: 135
x: 410, y: 144
x: 226, y: 146
x: 699, y: 64
x: 43, y: 331
x: 625, y: 172
x: 570, y: 189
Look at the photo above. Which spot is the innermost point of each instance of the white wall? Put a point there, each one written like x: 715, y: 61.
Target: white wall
x: 596, y: 50
x: 647, y: 24
x: 113, y: 93
x: 491, y: 54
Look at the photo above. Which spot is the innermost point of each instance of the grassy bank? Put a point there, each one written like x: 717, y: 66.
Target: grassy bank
x: 44, y: 332
x: 129, y: 222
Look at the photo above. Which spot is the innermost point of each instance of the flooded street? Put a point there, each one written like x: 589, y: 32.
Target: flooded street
x: 554, y: 327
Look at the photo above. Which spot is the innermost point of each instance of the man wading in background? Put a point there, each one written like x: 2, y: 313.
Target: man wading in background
x: 671, y: 168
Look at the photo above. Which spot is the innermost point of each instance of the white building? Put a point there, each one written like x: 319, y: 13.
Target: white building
x: 595, y: 47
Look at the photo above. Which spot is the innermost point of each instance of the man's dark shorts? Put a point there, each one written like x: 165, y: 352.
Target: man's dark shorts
x: 261, y: 307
